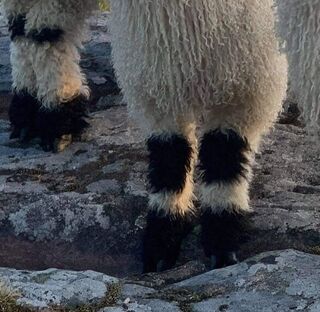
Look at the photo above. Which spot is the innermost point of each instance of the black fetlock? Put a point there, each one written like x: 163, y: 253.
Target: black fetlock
x: 22, y: 114
x: 57, y: 128
x: 162, y: 240
x: 222, y: 234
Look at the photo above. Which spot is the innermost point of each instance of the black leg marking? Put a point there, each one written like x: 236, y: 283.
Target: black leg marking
x: 169, y: 163
x: 68, y: 119
x: 222, y: 234
x: 22, y: 115
x: 222, y: 156
x: 46, y: 35
x: 162, y: 240
x: 17, y: 26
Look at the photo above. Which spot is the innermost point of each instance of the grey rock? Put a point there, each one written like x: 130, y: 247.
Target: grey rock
x: 278, y: 281
x: 104, y: 186
x: 54, y: 287
x: 157, y: 305
x: 135, y: 291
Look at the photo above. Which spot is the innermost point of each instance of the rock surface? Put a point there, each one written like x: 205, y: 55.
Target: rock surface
x: 279, y: 281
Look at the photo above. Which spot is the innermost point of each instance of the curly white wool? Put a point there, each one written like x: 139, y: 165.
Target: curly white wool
x: 218, y: 57
x: 50, y: 70
x: 299, y: 28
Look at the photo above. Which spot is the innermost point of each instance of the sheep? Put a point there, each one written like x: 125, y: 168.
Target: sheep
x: 299, y: 27
x: 180, y: 62
x: 50, y: 91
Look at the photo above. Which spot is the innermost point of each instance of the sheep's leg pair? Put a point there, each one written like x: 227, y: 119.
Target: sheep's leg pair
x: 225, y: 164
x: 50, y: 36
x: 171, y: 165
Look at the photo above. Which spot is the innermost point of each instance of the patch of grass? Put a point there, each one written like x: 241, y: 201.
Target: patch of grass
x: 8, y: 300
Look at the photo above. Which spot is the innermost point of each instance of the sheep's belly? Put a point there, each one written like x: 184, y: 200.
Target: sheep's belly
x: 202, y: 53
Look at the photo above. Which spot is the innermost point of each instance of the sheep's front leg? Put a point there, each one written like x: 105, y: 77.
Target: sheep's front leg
x: 225, y: 163
x: 171, y: 162
x: 24, y: 105
x: 55, y: 31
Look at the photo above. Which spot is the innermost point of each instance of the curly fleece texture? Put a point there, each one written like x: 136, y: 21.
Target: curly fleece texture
x: 173, y: 57
x: 299, y: 28
x: 50, y: 70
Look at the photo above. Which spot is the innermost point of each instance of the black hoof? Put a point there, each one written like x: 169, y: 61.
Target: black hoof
x: 222, y: 235
x: 22, y: 115
x: 58, y: 128
x: 223, y: 259
x: 162, y: 240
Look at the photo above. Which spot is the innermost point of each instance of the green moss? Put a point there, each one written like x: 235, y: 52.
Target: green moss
x: 41, y: 278
x: 104, y: 5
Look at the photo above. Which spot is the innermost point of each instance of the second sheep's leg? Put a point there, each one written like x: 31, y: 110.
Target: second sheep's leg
x: 56, y: 32
x: 24, y: 105
x: 171, y: 166
x: 225, y: 163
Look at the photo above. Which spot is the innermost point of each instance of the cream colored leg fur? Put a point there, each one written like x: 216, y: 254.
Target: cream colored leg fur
x: 51, y: 70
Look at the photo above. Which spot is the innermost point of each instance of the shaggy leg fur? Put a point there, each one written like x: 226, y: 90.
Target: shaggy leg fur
x: 58, y: 127
x: 22, y: 114
x: 225, y: 166
x: 61, y: 87
x: 45, y: 61
x: 24, y: 106
x: 169, y: 221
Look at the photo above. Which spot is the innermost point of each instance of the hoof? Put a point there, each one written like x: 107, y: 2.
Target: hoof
x: 223, y: 259
x: 222, y: 235
x: 162, y: 240
x: 23, y: 134
x: 63, y: 143
x: 22, y: 114
x: 58, y: 128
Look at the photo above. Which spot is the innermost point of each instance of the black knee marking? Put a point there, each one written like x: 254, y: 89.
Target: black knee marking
x: 22, y: 114
x: 17, y: 26
x: 169, y: 162
x: 68, y: 118
x: 222, y: 156
x: 223, y: 233
x: 162, y: 240
x: 46, y: 35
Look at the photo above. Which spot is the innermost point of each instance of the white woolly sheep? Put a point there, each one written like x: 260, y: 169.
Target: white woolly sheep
x: 177, y: 62
x: 181, y: 61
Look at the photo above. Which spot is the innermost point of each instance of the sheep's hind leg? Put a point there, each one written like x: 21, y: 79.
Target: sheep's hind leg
x: 171, y: 162
x: 225, y: 164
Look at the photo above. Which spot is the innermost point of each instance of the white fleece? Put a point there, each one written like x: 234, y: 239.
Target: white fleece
x: 217, y: 58
x: 299, y: 28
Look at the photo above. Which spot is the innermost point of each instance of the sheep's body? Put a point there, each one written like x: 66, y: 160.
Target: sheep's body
x: 177, y: 62
x: 204, y: 56
x: 180, y: 61
x: 299, y: 28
